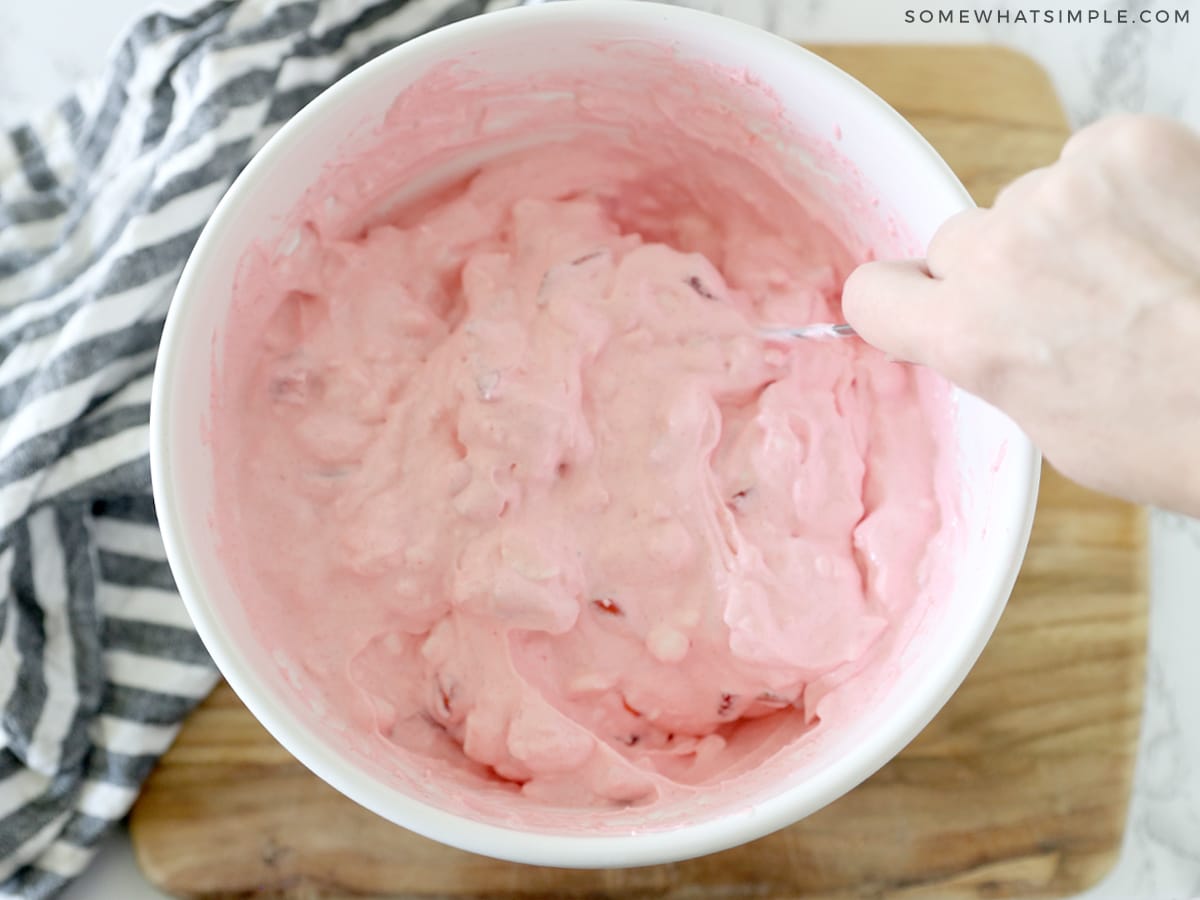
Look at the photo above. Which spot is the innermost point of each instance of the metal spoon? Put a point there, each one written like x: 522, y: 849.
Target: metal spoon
x: 819, y: 332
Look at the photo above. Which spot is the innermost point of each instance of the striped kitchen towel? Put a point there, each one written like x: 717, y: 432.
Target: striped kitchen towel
x: 101, y: 200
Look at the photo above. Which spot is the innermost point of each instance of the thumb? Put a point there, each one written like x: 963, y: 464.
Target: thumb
x: 891, y: 306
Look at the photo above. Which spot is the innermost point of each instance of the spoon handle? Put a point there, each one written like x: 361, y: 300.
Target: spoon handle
x: 820, y: 331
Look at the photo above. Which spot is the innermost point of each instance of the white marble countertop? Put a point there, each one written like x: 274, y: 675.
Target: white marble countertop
x: 1097, y: 68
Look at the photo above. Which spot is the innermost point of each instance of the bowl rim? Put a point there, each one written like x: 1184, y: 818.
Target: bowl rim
x: 634, y: 847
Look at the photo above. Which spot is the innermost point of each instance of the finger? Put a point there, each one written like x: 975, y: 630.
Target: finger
x: 950, y: 244
x: 891, y: 305
x: 1021, y: 189
x: 1094, y: 135
x: 1128, y: 131
x: 1103, y: 134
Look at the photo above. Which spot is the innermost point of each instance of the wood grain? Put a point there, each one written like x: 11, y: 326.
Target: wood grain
x: 1017, y: 789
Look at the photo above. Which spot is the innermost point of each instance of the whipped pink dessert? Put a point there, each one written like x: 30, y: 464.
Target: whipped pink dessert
x: 512, y: 477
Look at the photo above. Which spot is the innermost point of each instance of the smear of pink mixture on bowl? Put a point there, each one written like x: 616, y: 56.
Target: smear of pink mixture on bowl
x: 508, y: 470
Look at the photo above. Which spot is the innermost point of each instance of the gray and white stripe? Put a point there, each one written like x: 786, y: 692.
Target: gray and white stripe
x: 101, y: 200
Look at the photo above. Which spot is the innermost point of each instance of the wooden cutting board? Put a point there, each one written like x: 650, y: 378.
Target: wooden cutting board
x: 1017, y: 789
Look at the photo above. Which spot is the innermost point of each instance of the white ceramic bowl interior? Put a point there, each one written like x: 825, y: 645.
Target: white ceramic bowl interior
x: 999, y: 467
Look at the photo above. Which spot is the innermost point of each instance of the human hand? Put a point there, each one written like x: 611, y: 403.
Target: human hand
x: 1073, y: 304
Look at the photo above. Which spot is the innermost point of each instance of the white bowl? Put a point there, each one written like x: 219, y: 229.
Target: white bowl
x: 999, y: 467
